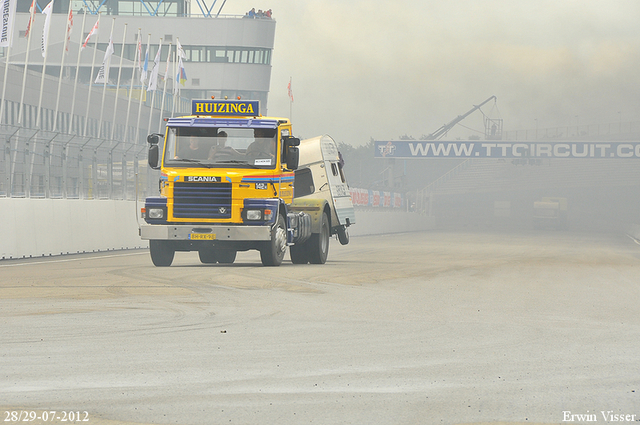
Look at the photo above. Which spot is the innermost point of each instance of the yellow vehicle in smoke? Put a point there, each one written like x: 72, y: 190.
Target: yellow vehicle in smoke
x: 550, y: 212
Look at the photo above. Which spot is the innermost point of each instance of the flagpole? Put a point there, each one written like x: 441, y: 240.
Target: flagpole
x: 105, y: 68
x: 164, y: 89
x: 26, y: 61
x: 133, y: 76
x: 155, y: 84
x: 141, y: 92
x: 290, y: 102
x: 115, y: 103
x: 95, y: 49
x: 67, y: 34
x: 45, y: 53
x: 75, y: 84
x: 180, y: 67
x: 175, y: 87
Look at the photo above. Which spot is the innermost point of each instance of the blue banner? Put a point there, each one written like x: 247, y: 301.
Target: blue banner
x: 505, y: 149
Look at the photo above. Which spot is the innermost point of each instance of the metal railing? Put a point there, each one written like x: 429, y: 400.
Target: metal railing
x: 43, y: 164
x: 621, y: 130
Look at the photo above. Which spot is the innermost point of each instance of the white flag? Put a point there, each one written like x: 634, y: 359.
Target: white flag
x: 145, y: 68
x: 103, y: 72
x: 45, y: 29
x: 166, y: 69
x: 180, y: 51
x: 8, y: 17
x: 153, y: 79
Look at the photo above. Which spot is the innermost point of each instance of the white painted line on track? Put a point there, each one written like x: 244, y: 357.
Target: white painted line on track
x: 29, y: 263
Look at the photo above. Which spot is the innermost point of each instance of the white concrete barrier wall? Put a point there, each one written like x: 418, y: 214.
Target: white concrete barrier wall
x: 44, y: 227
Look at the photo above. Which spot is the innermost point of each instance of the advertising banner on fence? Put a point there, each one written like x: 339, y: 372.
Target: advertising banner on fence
x: 505, y: 149
x: 375, y: 198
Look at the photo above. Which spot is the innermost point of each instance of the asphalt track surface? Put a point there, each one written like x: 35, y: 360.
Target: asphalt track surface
x: 419, y: 328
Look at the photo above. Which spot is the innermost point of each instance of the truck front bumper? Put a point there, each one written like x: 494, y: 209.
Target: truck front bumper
x: 185, y: 232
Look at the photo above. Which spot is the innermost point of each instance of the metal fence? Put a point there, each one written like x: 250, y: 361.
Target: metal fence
x: 43, y: 164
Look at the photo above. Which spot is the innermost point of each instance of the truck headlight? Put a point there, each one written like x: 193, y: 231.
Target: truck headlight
x: 254, y: 214
x: 155, y: 213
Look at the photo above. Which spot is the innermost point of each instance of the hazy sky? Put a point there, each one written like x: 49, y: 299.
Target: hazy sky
x: 380, y: 69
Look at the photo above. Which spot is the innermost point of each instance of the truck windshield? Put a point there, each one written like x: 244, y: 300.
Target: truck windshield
x: 221, y: 147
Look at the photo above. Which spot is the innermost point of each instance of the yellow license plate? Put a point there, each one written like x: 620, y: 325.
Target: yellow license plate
x: 202, y: 236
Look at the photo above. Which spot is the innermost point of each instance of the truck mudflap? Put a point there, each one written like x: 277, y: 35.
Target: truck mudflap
x: 190, y: 232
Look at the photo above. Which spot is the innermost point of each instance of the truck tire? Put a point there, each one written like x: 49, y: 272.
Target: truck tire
x: 207, y: 256
x: 161, y: 253
x: 343, y: 235
x: 273, y: 254
x: 226, y: 256
x: 298, y: 254
x: 319, y: 243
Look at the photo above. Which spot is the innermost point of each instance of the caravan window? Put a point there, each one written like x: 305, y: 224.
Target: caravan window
x: 303, y: 183
x: 334, y: 169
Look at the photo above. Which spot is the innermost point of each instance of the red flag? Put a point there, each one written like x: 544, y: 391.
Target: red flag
x: 139, y: 51
x: 31, y: 18
x: 69, y: 28
x: 93, y: 31
x: 289, y: 91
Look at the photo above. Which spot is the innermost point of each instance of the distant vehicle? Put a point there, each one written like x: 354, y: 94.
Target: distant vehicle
x: 550, y: 212
x: 232, y: 180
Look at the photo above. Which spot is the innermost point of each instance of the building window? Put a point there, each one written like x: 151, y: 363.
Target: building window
x: 202, y: 54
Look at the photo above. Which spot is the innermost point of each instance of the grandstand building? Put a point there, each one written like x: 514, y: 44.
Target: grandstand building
x: 226, y: 55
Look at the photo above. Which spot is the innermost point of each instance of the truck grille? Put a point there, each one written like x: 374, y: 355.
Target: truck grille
x: 202, y: 200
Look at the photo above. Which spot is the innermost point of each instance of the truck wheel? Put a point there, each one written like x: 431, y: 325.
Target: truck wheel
x: 161, y: 253
x: 207, y: 256
x: 298, y: 254
x: 319, y: 243
x: 226, y: 256
x: 343, y: 235
x: 273, y: 254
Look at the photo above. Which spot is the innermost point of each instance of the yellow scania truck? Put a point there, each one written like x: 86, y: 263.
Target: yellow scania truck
x: 232, y: 180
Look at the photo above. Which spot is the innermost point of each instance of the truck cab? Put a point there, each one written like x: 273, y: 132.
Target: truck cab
x: 227, y: 185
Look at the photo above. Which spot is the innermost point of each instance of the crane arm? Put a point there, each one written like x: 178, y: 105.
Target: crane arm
x: 445, y: 128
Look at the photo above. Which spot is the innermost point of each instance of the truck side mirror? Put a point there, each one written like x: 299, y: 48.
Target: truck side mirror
x: 291, y: 153
x: 154, y: 150
x: 292, y: 141
x: 154, y: 156
x: 293, y: 157
x: 154, y: 139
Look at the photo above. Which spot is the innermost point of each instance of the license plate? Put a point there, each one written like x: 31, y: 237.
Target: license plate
x: 202, y: 236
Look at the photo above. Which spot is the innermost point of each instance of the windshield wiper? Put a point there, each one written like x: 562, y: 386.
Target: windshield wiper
x: 196, y: 161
